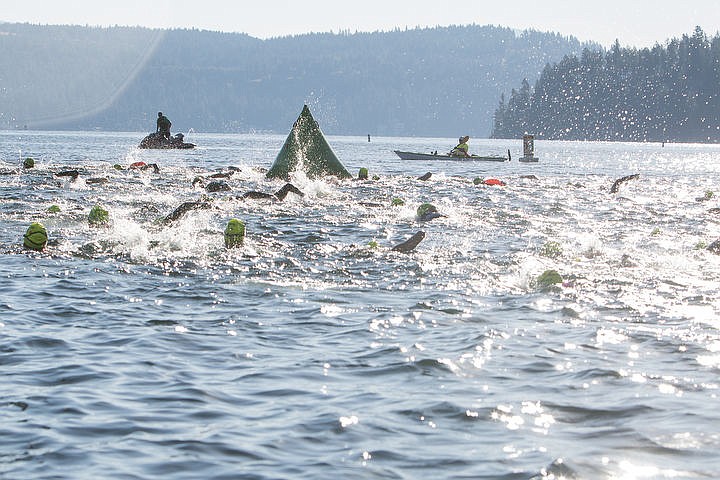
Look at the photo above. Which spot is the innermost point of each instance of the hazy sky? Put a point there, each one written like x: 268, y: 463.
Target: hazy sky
x: 633, y: 22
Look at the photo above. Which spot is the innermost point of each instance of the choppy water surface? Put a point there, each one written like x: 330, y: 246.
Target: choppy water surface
x: 149, y: 351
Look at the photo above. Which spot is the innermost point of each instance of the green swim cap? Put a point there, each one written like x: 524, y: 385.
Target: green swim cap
x: 478, y: 180
x: 36, y: 237
x: 98, y: 216
x: 363, y: 174
x: 234, y: 233
x: 53, y: 209
x: 28, y: 163
x: 426, y: 208
x: 551, y: 249
x: 397, y: 201
x: 548, y: 278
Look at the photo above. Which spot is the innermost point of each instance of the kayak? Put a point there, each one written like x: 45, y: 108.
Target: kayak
x: 445, y: 156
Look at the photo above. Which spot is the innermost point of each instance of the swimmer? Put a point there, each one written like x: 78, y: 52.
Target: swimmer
x: 616, y: 186
x: 180, y: 211
x: 410, y: 244
x: 279, y: 195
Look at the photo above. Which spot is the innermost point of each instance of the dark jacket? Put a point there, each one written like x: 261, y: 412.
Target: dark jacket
x: 163, y: 124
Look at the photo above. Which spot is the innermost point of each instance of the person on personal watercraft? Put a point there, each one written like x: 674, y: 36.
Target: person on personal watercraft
x: 163, y: 125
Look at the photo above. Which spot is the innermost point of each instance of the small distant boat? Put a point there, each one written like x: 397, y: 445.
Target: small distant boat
x: 528, y: 150
x: 528, y: 159
x: 445, y: 156
x: 157, y: 141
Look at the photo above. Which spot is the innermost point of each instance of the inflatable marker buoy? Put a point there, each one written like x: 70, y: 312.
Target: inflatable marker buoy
x: 36, y: 237
x: 306, y: 148
x: 234, y: 233
x: 98, y: 216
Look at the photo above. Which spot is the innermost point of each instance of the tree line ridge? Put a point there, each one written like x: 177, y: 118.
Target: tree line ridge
x: 665, y: 93
x: 442, y: 81
x: 434, y: 82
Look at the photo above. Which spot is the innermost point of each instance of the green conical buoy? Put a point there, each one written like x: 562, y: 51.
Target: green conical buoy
x: 306, y: 149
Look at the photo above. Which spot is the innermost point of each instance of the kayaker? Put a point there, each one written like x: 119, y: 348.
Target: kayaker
x: 461, y: 150
x: 163, y: 125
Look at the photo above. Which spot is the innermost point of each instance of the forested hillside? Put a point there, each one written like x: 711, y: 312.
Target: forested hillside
x: 670, y: 92
x: 425, y: 82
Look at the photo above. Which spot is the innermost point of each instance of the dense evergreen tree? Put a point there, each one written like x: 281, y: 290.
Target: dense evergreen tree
x: 664, y: 93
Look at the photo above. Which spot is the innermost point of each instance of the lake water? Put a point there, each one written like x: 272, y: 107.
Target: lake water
x: 145, y: 351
